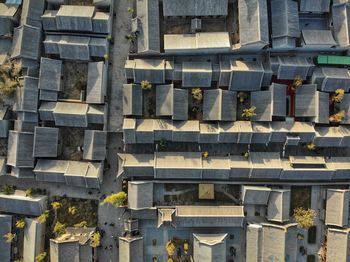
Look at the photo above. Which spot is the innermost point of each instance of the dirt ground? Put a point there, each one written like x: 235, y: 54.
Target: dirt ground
x: 74, y: 79
x: 73, y: 139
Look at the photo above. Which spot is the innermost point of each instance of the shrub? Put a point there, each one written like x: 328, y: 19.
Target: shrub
x: 249, y: 112
x: 116, y: 199
x: 82, y: 224
x: 43, y: 217
x: 8, y: 190
x: 311, y: 146
x: 9, y: 237
x: 72, y: 210
x: 297, y: 82
x: 41, y: 257
x: 56, y: 205
x: 59, y: 228
x: 170, y: 247
x: 146, y: 85
x: 20, y: 224
x: 338, y: 95
x: 304, y: 217
x: 95, y: 240
x: 197, y: 94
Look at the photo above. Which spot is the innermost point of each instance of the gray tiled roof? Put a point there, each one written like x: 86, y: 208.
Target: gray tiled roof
x: 195, y: 7
x: 132, y: 100
x: 20, y: 149
x: 253, y: 23
x: 96, y: 83
x: 341, y: 19
x: 45, y: 142
x: 50, y: 74
x: 196, y: 74
x: 95, y: 144
x: 26, y: 42
x: 148, y: 39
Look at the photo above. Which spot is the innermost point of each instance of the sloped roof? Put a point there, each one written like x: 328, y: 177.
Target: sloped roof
x: 152, y: 70
x: 209, y: 216
x: 254, y: 195
x: 20, y: 149
x: 198, y: 42
x: 132, y: 100
x: 337, y: 207
x: 27, y: 95
x: 70, y: 114
x: 26, y: 42
x: 338, y: 244
x: 45, y: 142
x: 21, y: 204
x: 318, y: 38
x: 253, y: 23
x: 95, y: 143
x: 32, y: 11
x: 131, y: 249
x: 34, y: 239
x: 96, y: 83
x: 196, y: 74
x: 148, y: 39
x: 50, y: 74
x: 75, y: 18
x: 279, y: 205
x: 305, y: 101
x: 314, y: 5
x: 291, y: 67
x: 285, y: 18
x: 219, y: 105
x: 279, y: 242
x: 209, y: 247
x: 246, y: 76
x: 341, y: 21
x: 195, y: 7
x: 140, y: 195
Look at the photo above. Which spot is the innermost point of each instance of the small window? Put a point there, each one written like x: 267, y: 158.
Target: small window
x: 311, y: 258
x: 311, y: 235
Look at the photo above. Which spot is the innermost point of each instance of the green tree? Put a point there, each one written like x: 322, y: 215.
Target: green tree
x: 304, y: 217
x: 9, y: 237
x: 8, y: 190
x: 72, y: 210
x: 146, y: 85
x: 59, y: 228
x: 82, y: 224
x: 338, y: 95
x: 41, y: 257
x: 95, y: 240
x: 197, y: 94
x: 56, y: 205
x: 297, y: 82
x: 30, y: 192
x: 116, y: 199
x: 43, y: 217
x: 249, y: 112
x: 311, y: 146
x: 170, y: 247
x: 20, y: 223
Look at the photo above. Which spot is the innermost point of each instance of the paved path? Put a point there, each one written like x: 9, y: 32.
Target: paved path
x: 108, y: 214
x: 119, y: 52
